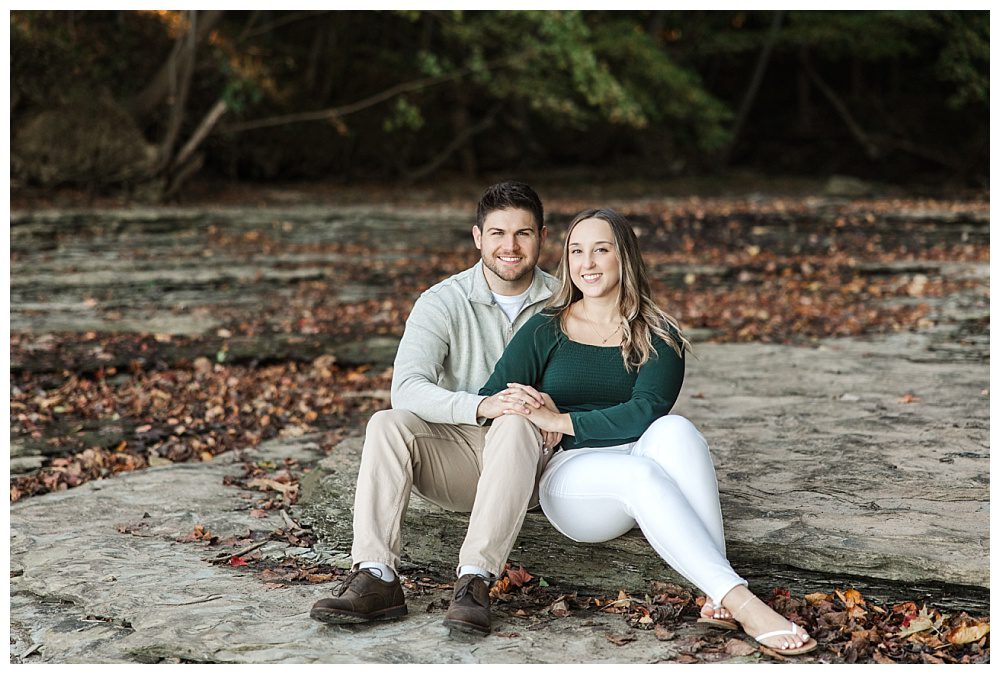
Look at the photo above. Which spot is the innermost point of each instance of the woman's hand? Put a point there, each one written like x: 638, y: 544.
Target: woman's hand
x: 540, y: 410
x: 520, y: 398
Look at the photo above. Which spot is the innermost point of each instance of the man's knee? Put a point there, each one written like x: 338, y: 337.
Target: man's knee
x: 386, y: 422
x: 515, y: 425
x: 388, y: 433
x: 513, y: 433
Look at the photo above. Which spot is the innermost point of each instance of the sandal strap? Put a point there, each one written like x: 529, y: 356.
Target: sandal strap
x: 778, y: 633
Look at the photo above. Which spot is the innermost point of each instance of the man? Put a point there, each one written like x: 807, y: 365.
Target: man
x: 435, y: 440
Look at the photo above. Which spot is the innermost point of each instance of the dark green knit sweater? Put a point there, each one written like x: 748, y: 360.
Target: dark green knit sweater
x: 608, y: 405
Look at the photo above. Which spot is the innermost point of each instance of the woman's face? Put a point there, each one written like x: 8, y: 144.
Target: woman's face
x: 593, y: 261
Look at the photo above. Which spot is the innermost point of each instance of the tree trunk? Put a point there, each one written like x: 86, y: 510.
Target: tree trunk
x: 180, y: 85
x: 315, y: 54
x: 159, y: 88
x: 857, y: 78
x: 655, y: 26
x: 754, y: 86
x: 460, y: 121
x: 805, y: 106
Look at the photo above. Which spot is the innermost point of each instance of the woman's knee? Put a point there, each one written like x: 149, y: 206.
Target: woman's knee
x: 675, y: 424
x: 677, y: 434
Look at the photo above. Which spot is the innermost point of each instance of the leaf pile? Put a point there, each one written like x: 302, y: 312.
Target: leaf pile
x: 294, y: 571
x: 776, y: 270
x: 181, y: 415
x: 280, y: 486
x: 847, y: 627
x: 858, y: 630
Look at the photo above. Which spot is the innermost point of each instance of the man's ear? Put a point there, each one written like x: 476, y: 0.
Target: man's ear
x: 477, y: 237
x: 541, y: 236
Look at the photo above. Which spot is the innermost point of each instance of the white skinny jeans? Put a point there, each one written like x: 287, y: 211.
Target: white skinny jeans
x: 664, y: 483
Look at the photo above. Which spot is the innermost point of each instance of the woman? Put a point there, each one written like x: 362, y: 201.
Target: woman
x: 608, y: 365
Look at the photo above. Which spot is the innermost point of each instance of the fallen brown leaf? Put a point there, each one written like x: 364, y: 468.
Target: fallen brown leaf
x: 817, y: 598
x: 519, y: 576
x: 966, y: 634
x: 738, y: 647
x: 559, y: 609
x: 620, y: 639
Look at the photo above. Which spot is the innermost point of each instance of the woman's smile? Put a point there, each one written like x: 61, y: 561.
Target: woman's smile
x: 593, y: 259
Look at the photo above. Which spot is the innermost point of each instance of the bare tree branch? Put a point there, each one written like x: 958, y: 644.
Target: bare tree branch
x: 871, y: 148
x: 340, y: 111
x: 277, y: 23
x: 343, y: 110
x: 452, y: 147
x: 202, y: 132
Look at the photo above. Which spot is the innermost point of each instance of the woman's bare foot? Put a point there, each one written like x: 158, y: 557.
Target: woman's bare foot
x: 757, y: 618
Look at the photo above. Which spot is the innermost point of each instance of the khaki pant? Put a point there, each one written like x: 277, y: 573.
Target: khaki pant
x: 491, y: 472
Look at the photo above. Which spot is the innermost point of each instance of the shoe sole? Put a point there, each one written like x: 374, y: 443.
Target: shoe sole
x: 718, y: 623
x: 465, y: 628
x: 810, y: 646
x: 336, y: 617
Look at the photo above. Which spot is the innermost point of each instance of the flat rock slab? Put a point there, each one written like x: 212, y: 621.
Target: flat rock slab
x: 824, y: 469
x: 98, y: 576
x: 857, y: 459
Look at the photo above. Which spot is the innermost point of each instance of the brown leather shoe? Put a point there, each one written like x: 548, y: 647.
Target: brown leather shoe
x: 362, y: 597
x: 470, y: 609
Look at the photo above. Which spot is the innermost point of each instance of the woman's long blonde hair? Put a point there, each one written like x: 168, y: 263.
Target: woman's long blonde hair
x: 642, y: 317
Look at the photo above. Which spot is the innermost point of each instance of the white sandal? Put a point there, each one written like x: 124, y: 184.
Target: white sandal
x: 796, y: 631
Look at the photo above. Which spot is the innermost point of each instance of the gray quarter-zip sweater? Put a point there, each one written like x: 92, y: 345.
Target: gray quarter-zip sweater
x: 453, y: 338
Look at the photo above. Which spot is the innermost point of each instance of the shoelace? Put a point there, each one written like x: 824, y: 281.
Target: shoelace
x: 344, y: 584
x: 464, y: 590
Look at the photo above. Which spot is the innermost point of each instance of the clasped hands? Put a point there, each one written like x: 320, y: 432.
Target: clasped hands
x: 532, y: 404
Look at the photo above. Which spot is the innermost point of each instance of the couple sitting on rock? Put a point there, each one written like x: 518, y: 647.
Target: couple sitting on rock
x: 514, y: 389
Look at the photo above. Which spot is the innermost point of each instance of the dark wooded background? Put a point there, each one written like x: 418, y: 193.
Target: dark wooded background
x: 142, y: 101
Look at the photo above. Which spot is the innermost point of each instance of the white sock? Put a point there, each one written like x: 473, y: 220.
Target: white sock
x: 384, y: 572
x: 466, y: 569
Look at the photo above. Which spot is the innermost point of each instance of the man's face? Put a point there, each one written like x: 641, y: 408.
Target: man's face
x: 509, y: 244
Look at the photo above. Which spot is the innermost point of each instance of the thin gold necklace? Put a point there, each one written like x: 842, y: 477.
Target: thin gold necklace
x: 593, y: 326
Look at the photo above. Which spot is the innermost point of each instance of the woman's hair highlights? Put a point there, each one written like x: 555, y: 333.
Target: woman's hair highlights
x: 642, y: 317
